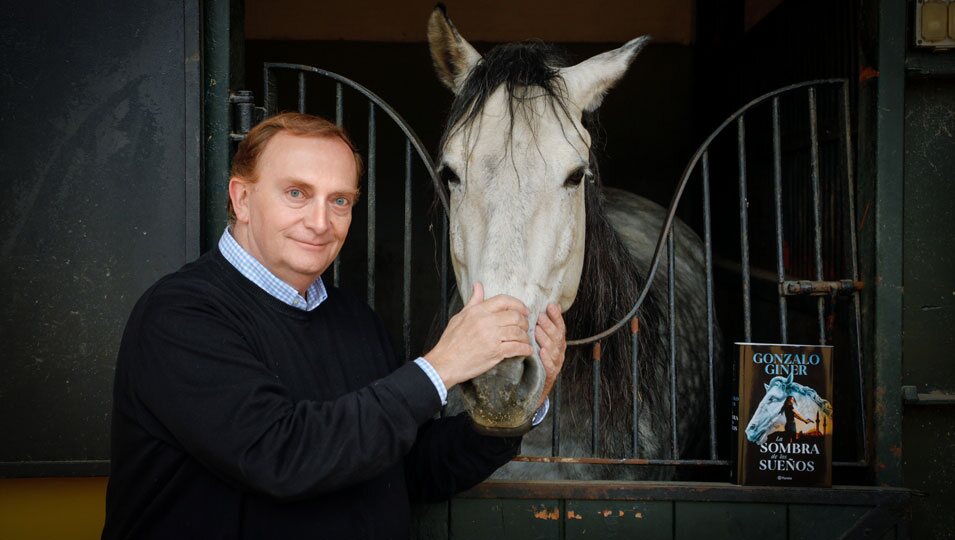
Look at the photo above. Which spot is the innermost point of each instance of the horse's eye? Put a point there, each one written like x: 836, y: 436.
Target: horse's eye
x: 448, y: 177
x: 576, y: 177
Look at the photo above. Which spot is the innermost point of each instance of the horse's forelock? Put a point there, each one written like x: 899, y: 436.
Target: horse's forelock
x: 526, y: 71
x: 513, y: 65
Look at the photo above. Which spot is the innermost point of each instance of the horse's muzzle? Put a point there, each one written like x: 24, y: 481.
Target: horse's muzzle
x: 502, y: 402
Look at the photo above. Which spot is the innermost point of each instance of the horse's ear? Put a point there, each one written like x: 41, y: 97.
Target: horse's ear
x: 452, y: 55
x: 588, y: 81
x: 766, y: 386
x: 789, y: 379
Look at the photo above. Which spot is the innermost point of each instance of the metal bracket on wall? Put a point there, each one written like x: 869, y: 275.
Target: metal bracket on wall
x: 244, y: 114
x: 911, y: 396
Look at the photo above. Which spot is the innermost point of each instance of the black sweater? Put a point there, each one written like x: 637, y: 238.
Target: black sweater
x: 237, y: 416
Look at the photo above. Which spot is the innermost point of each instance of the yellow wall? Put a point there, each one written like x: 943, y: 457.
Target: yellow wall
x: 52, y: 508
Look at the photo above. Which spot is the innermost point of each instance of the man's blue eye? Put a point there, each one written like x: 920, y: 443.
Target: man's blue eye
x: 295, y: 193
x: 341, y: 201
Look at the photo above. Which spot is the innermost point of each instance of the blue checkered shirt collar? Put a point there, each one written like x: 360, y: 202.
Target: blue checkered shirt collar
x: 252, y: 269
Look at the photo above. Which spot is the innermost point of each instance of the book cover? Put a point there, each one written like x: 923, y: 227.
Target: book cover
x: 784, y: 415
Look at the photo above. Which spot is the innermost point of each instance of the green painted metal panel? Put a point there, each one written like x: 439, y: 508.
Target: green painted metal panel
x: 730, y: 521
x: 216, y: 154
x: 430, y: 521
x: 929, y: 235
x: 822, y: 522
x: 929, y: 302
x: 929, y: 444
x: 887, y: 284
x: 609, y: 520
x: 505, y: 519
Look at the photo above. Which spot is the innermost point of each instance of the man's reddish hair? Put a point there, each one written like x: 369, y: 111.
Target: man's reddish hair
x: 246, y: 158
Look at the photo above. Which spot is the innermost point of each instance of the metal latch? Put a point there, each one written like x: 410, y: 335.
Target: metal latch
x: 911, y: 396
x: 819, y: 288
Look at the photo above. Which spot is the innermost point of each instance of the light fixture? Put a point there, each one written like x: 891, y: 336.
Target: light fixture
x: 951, y: 21
x: 935, y: 24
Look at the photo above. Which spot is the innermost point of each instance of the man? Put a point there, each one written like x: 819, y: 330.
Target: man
x: 253, y: 401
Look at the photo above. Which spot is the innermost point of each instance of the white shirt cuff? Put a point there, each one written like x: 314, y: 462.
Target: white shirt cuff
x: 435, y: 379
x: 541, y: 413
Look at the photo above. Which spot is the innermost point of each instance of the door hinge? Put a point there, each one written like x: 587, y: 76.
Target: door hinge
x: 244, y: 113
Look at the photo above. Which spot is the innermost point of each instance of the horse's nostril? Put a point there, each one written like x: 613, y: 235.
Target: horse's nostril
x: 531, y: 373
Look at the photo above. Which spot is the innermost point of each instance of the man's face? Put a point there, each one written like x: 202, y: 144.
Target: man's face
x: 294, y: 219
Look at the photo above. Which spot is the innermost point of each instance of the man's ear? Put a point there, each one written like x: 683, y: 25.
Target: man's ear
x: 239, y: 195
x: 588, y: 81
x: 452, y: 55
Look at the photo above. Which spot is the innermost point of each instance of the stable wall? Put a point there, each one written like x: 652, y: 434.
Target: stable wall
x: 99, y: 198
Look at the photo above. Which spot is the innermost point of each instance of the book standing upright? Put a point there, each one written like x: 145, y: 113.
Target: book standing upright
x: 785, y: 417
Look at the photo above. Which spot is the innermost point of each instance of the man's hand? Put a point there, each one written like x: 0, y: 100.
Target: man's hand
x: 479, y: 336
x: 551, y: 337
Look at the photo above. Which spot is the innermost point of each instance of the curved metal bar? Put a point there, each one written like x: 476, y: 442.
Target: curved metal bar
x: 415, y: 141
x: 674, y: 203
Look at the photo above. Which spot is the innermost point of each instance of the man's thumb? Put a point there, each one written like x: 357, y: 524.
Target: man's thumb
x: 477, y: 294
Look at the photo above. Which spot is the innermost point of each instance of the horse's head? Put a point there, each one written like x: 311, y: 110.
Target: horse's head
x: 768, y: 417
x: 516, y: 163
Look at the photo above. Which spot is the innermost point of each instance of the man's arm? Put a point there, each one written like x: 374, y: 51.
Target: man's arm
x: 216, y: 401
x: 196, y: 375
x: 450, y: 457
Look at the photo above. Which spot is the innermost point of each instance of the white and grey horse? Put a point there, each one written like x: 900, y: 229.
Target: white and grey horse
x: 769, y: 417
x: 529, y: 218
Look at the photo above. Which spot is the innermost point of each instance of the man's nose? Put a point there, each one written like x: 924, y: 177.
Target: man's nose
x: 316, y: 216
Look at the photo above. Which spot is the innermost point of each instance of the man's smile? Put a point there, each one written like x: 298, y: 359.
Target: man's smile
x: 312, y: 245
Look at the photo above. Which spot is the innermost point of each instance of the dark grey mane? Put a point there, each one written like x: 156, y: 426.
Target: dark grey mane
x: 609, y: 285
x: 610, y: 281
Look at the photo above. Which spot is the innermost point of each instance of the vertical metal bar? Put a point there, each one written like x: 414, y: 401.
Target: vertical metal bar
x: 443, y: 268
x: 339, y: 105
x: 671, y: 326
x: 215, y: 118
x: 887, y: 189
x: 744, y: 228
x: 854, y: 263
x: 406, y: 271
x: 595, y: 443
x: 301, y: 91
x: 710, y: 317
x: 372, y: 162
x: 443, y: 243
x: 339, y: 119
x: 816, y: 211
x: 268, y: 93
x: 555, y: 420
x: 778, y: 199
x: 635, y: 383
